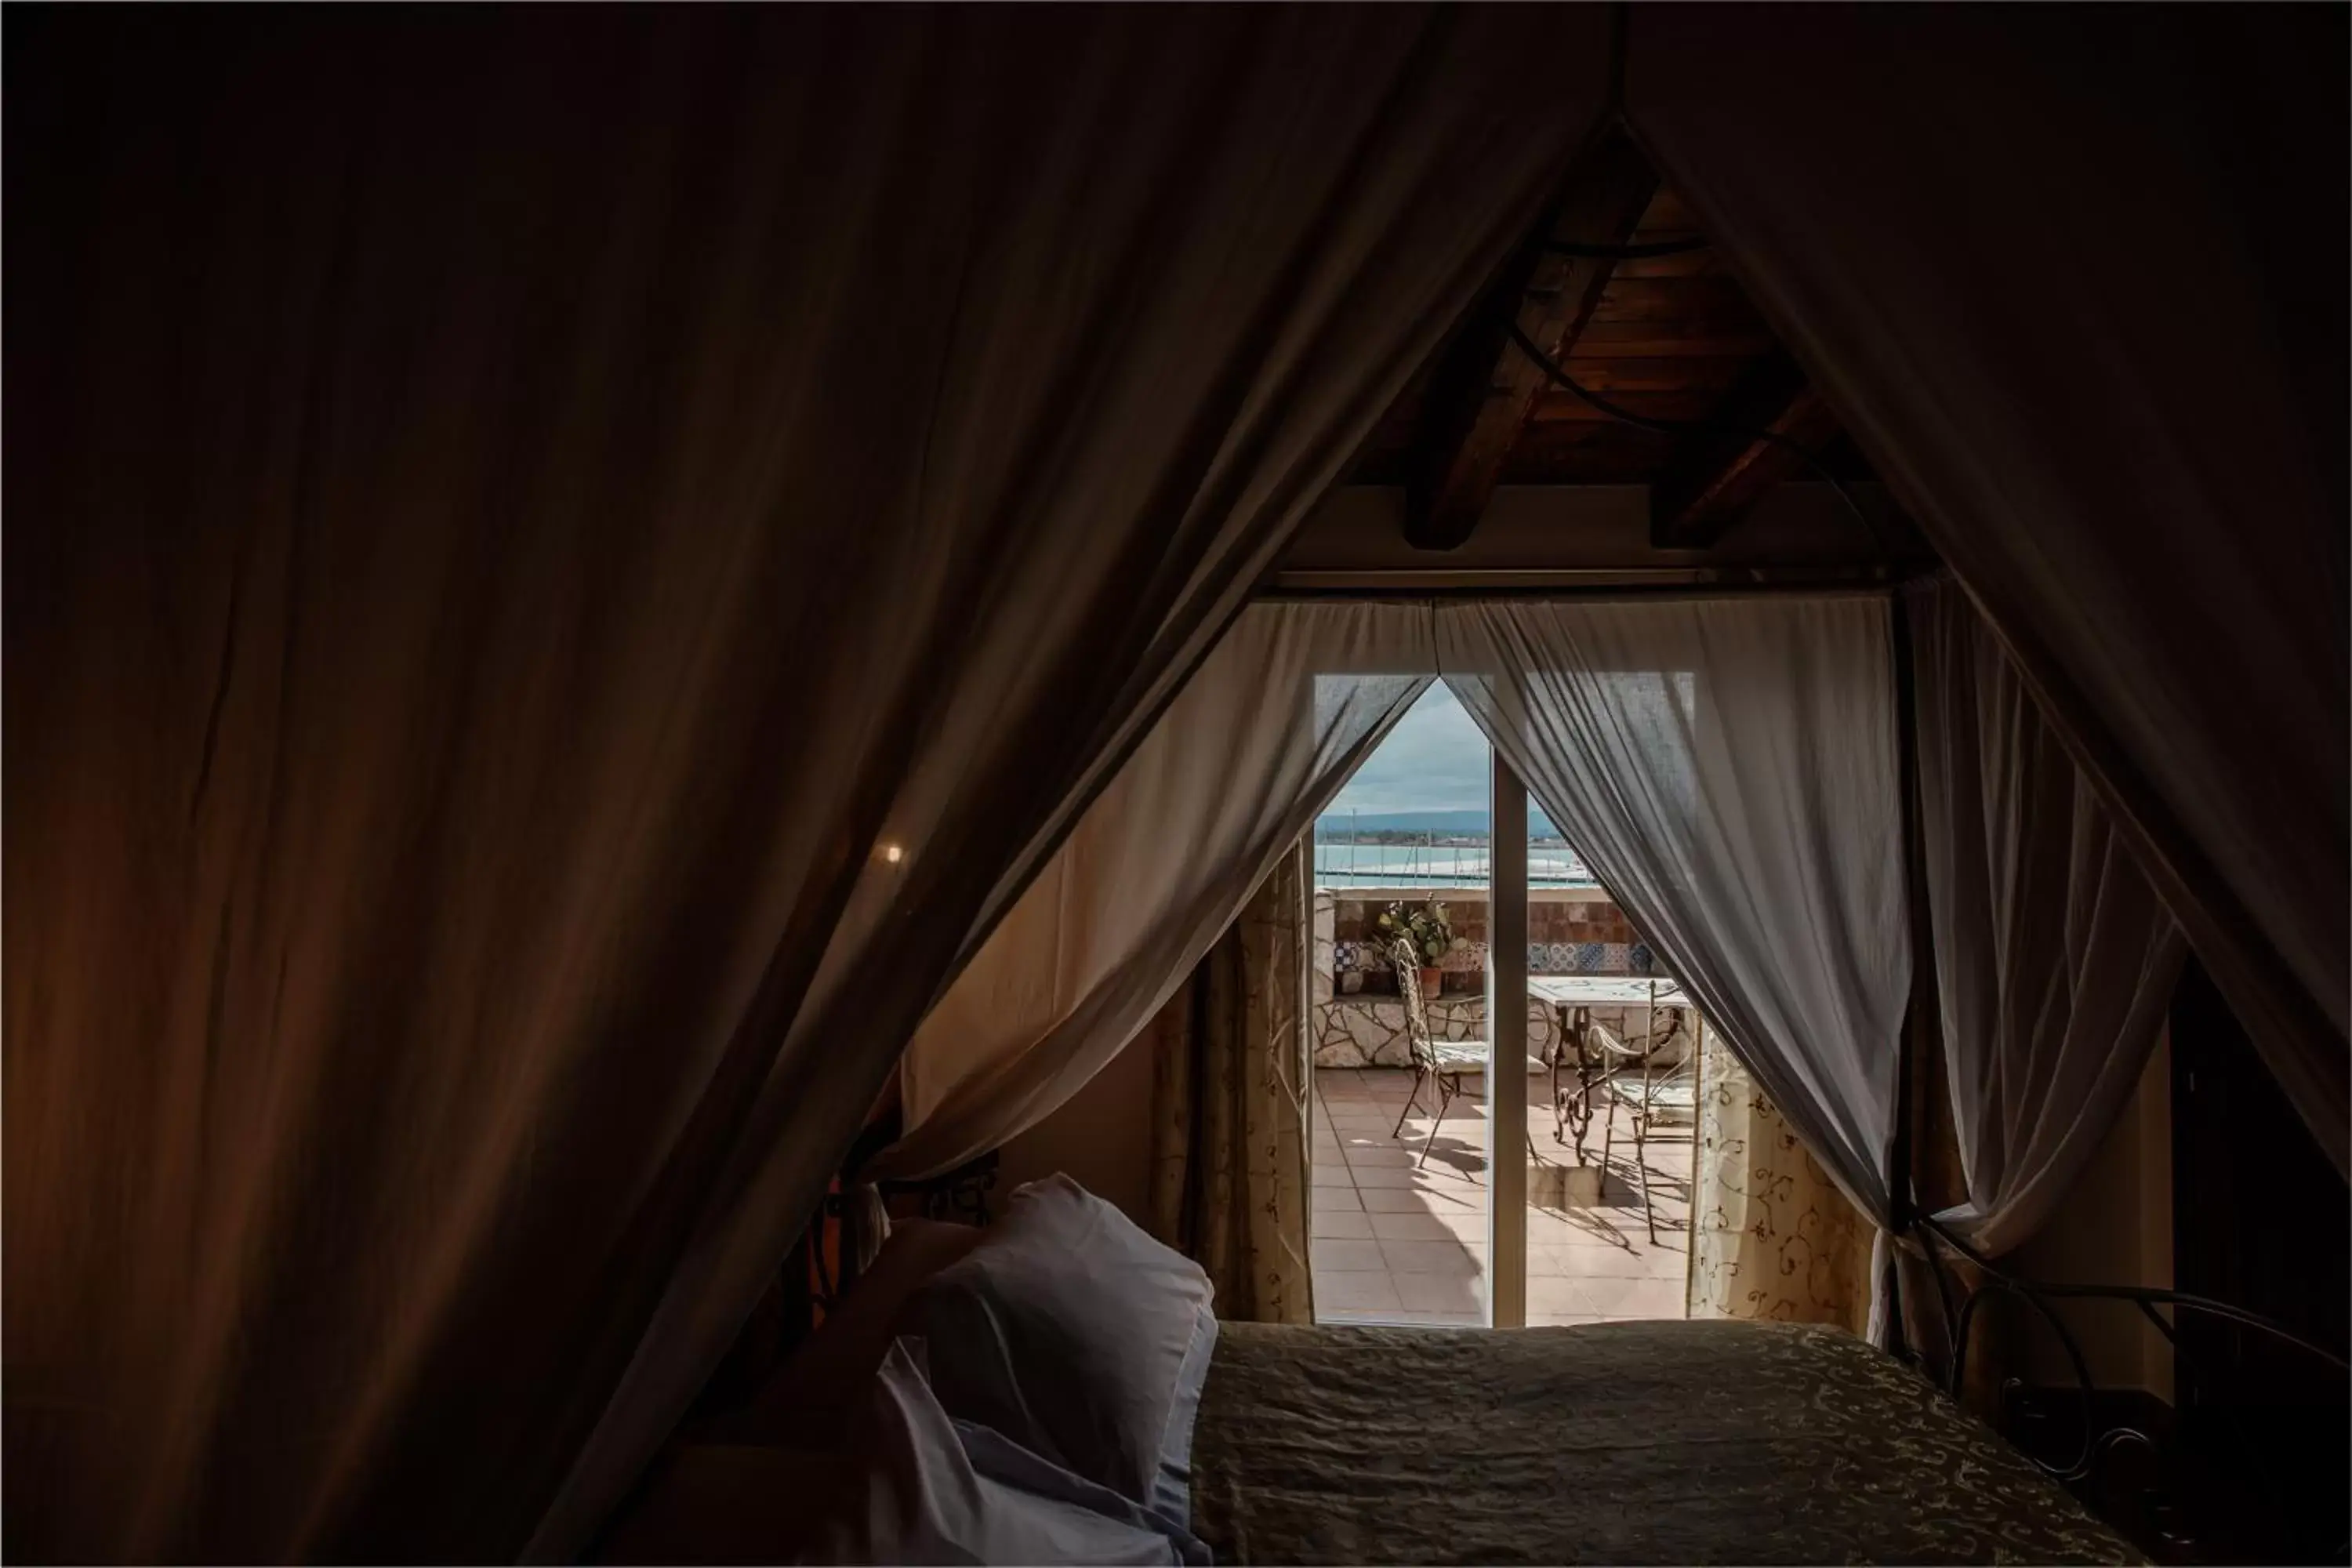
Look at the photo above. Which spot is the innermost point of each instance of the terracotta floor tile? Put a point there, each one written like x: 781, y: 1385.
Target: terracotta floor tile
x: 1634, y: 1298
x: 1552, y: 1263
x: 1342, y: 1257
x: 1423, y: 1200
x: 1549, y: 1297
x: 1432, y: 1257
x: 1438, y: 1293
x: 1421, y: 1226
x: 1396, y: 1240
x: 1620, y: 1263
x: 1340, y: 1224
x: 1363, y: 1291
x: 1386, y: 1176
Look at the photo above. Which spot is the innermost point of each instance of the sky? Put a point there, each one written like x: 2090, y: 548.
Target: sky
x: 1434, y: 759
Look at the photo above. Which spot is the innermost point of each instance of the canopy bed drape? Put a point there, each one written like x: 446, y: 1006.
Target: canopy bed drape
x: 1272, y: 724
x: 2056, y: 961
x: 2095, y: 339
x: 1728, y: 768
x: 563, y: 571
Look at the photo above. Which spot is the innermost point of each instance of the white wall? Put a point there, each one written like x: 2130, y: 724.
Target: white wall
x: 1101, y: 1137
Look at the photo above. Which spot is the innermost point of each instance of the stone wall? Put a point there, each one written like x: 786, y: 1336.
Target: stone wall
x: 1569, y: 932
x: 1352, y: 999
x: 1369, y: 1031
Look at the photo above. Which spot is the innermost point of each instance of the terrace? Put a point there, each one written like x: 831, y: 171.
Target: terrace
x: 1394, y: 1240
x: 1397, y: 1243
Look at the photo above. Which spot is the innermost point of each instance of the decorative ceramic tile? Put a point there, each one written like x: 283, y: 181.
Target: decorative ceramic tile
x: 1614, y: 957
x: 1588, y: 958
x: 1639, y: 957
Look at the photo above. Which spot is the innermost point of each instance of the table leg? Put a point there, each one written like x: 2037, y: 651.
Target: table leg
x: 1559, y: 1049
x: 1578, y: 1102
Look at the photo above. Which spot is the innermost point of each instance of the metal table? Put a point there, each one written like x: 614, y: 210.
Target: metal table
x: 1578, y: 995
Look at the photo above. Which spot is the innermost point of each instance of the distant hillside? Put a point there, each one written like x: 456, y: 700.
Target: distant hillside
x: 1457, y: 821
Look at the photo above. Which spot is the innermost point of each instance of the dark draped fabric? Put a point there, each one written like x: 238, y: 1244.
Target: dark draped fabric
x: 2074, y: 279
x: 562, y: 567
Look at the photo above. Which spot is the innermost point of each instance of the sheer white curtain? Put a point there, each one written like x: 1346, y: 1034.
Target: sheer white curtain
x: 2054, y: 959
x: 1273, y: 723
x: 1729, y: 768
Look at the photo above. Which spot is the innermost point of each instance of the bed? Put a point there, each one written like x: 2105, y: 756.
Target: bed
x: 1657, y: 1442
x: 1066, y: 1345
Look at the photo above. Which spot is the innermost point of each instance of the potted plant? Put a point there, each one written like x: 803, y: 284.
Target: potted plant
x: 1429, y: 931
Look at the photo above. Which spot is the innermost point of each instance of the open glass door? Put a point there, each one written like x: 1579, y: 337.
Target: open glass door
x: 1403, y: 1197
x: 1613, y: 1110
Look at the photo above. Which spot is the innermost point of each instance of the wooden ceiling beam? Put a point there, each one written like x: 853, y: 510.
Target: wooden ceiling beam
x: 1712, y: 477
x: 1482, y: 389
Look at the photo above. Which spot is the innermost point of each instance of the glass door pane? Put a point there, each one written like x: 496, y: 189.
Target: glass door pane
x: 1401, y: 1196
x: 1611, y: 1117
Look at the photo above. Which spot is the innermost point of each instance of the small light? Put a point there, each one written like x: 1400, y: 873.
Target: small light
x: 892, y: 852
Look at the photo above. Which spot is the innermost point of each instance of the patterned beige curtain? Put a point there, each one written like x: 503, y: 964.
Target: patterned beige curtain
x: 1230, y: 1080
x: 1771, y: 1236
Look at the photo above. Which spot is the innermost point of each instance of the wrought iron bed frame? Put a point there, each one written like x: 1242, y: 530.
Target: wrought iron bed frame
x: 961, y: 1195
x: 2097, y: 1444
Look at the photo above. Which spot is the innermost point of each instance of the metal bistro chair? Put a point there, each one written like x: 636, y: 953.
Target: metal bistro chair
x: 1439, y: 1063
x: 1436, y: 1062
x: 1667, y: 1095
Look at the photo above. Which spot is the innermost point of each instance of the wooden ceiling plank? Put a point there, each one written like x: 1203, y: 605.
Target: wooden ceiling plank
x: 1713, y: 477
x: 1484, y: 389
x: 1684, y: 403
x: 1663, y: 340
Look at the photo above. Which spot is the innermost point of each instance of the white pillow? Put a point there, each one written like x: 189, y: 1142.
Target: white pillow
x: 1077, y: 1336
x: 937, y: 1490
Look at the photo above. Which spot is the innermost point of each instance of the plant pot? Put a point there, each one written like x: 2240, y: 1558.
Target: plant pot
x: 1432, y: 977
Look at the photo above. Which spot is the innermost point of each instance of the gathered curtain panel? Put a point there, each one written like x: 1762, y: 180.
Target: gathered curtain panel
x: 1771, y: 1236
x: 1727, y: 767
x: 2054, y: 959
x: 562, y: 570
x: 1230, y: 1084
x: 2026, y: 316
x: 1267, y: 731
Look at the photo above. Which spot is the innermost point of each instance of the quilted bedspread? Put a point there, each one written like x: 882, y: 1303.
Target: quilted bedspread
x: 1652, y: 1442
